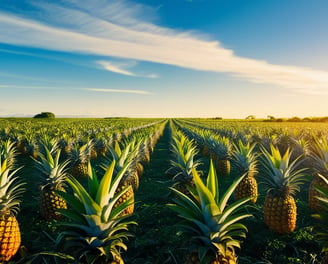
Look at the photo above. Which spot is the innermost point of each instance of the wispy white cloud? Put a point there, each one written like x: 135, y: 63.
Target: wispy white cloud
x: 119, y: 29
x: 102, y: 90
x: 109, y: 66
x: 121, y: 68
x: 117, y: 91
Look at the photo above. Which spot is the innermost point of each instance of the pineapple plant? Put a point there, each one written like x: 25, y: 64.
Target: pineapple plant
x: 52, y: 174
x: 245, y: 162
x: 65, y: 144
x: 145, y: 152
x: 46, y: 141
x: 11, y: 189
x: 100, y: 147
x: 95, y: 229
x: 184, y: 152
x: 124, y: 157
x: 126, y: 154
x: 211, y: 224
x: 221, y: 151
x: 91, y: 146
x: 321, y: 233
x: 319, y: 161
x: 79, y: 157
x: 21, y: 143
x: 282, y: 179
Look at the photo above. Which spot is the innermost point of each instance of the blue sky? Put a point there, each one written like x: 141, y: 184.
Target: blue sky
x: 164, y: 58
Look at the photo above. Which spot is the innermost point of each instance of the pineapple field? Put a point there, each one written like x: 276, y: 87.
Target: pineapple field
x: 162, y: 191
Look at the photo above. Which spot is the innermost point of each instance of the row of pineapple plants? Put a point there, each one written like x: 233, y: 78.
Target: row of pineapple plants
x: 282, y: 174
x: 55, y: 179
x: 313, y: 153
x: 210, y: 224
x: 29, y: 136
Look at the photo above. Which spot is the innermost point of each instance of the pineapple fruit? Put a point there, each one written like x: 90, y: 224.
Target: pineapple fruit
x: 11, y: 191
x: 282, y: 179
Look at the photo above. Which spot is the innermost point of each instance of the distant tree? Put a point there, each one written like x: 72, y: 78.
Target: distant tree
x: 307, y: 119
x: 45, y: 115
x: 250, y: 117
x: 270, y: 117
x: 294, y: 119
x: 218, y: 118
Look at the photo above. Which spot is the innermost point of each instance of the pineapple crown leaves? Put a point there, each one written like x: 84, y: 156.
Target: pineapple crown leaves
x: 184, y: 152
x: 244, y: 157
x: 100, y: 196
x: 281, y: 175
x: 53, y: 171
x: 321, y: 233
x: 79, y: 154
x: 221, y: 146
x: 11, y: 189
x: 320, y: 155
x: 8, y: 150
x: 52, y: 144
x: 121, y: 156
x: 212, y: 223
x: 323, y: 192
x: 93, y: 220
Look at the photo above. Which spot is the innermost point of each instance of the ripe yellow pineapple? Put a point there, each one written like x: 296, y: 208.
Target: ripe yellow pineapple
x: 245, y: 162
x: 10, y: 237
x: 11, y: 190
x: 52, y: 174
x: 79, y: 158
x: 282, y: 179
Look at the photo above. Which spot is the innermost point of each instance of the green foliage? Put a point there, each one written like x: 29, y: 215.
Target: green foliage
x: 211, y: 223
x: 94, y: 231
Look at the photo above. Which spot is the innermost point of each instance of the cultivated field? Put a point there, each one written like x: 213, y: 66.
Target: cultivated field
x: 122, y: 190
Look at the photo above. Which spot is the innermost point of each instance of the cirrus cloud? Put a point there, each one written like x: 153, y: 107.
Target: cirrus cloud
x: 117, y: 91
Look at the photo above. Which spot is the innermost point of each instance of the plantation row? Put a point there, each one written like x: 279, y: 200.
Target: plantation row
x: 89, y: 171
x: 241, y: 191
